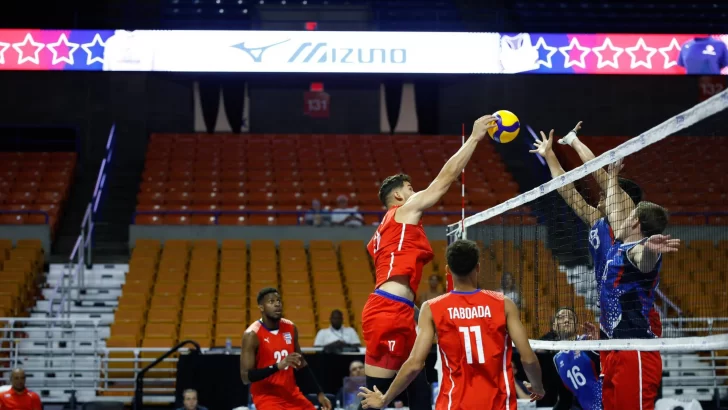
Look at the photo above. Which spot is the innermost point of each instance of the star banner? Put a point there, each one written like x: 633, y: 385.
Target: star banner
x: 363, y: 52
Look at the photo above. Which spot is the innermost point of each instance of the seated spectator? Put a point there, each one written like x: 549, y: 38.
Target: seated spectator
x: 18, y: 396
x: 190, y: 400
x: 347, y: 395
x: 509, y: 289
x: 434, y: 290
x: 343, y: 215
x: 337, y: 337
x: 317, y: 216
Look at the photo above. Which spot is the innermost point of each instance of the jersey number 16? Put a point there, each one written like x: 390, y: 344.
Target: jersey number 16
x: 475, y: 330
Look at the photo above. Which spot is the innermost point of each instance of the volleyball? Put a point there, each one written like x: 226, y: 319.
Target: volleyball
x: 507, y: 127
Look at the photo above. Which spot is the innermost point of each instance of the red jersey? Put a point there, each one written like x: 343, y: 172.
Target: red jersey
x: 25, y: 400
x: 279, y: 389
x: 475, y: 350
x: 399, y: 249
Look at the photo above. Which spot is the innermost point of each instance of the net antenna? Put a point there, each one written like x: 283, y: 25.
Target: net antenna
x: 463, y: 234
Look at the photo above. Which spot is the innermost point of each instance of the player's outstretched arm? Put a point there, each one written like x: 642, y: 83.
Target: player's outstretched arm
x: 311, y: 378
x: 528, y: 357
x: 585, y: 154
x: 410, y: 369
x: 587, y: 213
x: 425, y: 199
x: 618, y: 204
x: 249, y: 373
x: 646, y: 254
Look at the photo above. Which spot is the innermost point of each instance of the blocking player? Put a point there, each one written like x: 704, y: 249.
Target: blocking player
x: 400, y: 250
x: 269, y: 355
x: 631, y: 275
x: 474, y: 328
x: 579, y: 370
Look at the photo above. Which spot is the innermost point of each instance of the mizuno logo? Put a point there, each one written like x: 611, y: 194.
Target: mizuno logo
x: 323, y: 53
x: 257, y: 53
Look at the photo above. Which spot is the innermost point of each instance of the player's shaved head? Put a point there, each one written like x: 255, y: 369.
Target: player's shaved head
x: 462, y: 257
x: 390, y: 184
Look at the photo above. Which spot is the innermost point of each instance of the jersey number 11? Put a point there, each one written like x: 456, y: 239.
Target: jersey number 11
x: 475, y: 330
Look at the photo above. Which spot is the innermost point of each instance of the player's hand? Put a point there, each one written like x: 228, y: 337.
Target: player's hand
x: 662, y: 244
x: 616, y: 167
x: 324, y: 401
x: 544, y: 146
x: 577, y: 127
x: 481, y: 127
x: 372, y: 399
x: 293, y: 359
x: 537, y: 393
x: 592, y: 331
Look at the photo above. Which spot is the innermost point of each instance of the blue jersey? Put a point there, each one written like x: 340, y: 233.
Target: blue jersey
x: 579, y: 373
x: 627, y: 295
x: 601, y: 238
x: 703, y: 56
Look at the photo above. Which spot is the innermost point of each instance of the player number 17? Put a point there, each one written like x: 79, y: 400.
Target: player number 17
x: 475, y: 330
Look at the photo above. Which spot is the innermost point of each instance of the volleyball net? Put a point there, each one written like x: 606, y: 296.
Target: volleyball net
x: 535, y: 247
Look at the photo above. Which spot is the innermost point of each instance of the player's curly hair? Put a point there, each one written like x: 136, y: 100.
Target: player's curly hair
x: 265, y: 292
x: 390, y: 184
x: 462, y: 256
x: 653, y: 218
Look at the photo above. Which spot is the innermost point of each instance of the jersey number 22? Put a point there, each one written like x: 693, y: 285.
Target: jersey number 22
x: 475, y: 330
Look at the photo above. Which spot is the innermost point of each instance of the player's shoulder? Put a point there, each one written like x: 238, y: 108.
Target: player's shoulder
x: 493, y: 294
x: 438, y: 299
x: 254, y: 327
x: 287, y: 322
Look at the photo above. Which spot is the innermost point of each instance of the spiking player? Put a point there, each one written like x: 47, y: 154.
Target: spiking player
x: 400, y: 250
x: 631, y: 274
x: 270, y: 353
x: 474, y: 329
x: 579, y: 370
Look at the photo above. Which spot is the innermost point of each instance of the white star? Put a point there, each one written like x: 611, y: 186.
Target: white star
x: 38, y: 46
x: 614, y: 62
x: 669, y: 62
x: 565, y: 51
x: 641, y: 45
x: 72, y: 47
x: 3, y: 48
x: 541, y: 44
x: 87, y: 48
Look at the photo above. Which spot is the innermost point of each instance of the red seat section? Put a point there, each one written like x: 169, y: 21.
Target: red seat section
x: 34, y: 183
x: 284, y: 173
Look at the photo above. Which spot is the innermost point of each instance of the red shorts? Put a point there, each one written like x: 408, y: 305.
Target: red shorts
x: 389, y: 330
x: 631, y: 380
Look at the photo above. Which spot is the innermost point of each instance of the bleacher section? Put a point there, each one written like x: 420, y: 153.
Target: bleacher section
x: 20, y: 268
x: 284, y: 173
x: 34, y: 185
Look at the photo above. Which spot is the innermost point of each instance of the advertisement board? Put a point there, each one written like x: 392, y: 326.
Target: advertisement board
x: 363, y: 52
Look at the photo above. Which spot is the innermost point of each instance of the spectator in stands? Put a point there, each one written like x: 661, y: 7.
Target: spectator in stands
x: 190, y: 400
x: 344, y: 215
x: 433, y: 291
x: 508, y: 288
x: 337, y: 337
x: 18, y: 397
x: 317, y: 216
x: 347, y: 394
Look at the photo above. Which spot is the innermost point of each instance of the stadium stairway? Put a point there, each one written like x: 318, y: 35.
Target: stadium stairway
x: 65, y: 359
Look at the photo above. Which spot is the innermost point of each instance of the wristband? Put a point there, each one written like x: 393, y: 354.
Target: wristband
x: 569, y: 138
x: 256, y: 375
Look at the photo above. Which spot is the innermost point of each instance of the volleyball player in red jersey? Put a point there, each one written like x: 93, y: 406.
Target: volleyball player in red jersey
x: 400, y: 250
x: 474, y: 329
x: 269, y: 355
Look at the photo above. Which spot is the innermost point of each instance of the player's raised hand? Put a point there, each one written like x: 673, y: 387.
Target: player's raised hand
x: 544, y: 146
x: 293, y: 359
x: 536, y: 393
x: 324, y: 401
x: 662, y: 244
x: 481, y: 127
x: 592, y: 331
x: 616, y: 167
x: 571, y: 136
x: 372, y: 399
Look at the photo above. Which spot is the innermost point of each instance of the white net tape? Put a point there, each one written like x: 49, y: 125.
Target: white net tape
x: 677, y: 344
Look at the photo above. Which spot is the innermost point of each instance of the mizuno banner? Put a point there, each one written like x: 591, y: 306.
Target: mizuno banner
x: 362, y: 52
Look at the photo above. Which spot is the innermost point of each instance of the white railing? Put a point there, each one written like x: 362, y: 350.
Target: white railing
x: 81, y: 256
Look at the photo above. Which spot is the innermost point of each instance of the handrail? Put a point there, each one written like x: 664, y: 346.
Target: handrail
x: 139, y: 381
